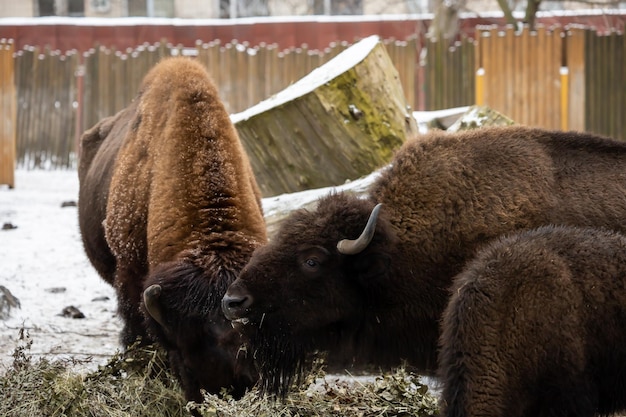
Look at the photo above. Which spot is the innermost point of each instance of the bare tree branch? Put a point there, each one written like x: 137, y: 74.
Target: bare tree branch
x: 508, y: 14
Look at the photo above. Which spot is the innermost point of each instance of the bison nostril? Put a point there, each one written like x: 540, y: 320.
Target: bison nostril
x: 235, y: 306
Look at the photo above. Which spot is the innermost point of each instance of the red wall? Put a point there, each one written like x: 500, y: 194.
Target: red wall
x: 81, y: 34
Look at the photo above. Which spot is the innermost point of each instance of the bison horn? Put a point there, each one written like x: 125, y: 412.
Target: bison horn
x: 352, y: 247
x: 151, y: 301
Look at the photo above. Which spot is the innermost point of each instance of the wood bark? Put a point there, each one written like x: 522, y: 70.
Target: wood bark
x: 340, y: 122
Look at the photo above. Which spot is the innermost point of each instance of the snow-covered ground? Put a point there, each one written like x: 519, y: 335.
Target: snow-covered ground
x: 43, y: 264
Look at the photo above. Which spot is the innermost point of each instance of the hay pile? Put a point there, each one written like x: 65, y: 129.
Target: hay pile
x: 396, y: 394
x: 137, y: 383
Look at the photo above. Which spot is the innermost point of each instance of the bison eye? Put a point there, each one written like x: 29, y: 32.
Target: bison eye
x: 312, y: 258
x: 311, y: 263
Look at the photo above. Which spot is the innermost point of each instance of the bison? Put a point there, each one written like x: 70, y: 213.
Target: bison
x: 169, y: 213
x: 536, y: 326
x: 374, y: 295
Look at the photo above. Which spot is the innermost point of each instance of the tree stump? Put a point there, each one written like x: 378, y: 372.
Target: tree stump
x: 340, y: 122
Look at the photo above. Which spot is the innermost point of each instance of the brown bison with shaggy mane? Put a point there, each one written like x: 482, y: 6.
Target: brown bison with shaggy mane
x: 169, y: 213
x: 375, y: 294
x: 536, y: 326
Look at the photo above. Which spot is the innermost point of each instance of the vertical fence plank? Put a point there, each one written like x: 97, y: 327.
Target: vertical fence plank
x: 602, y: 72
x: 554, y: 60
x: 485, y: 42
x: 257, y: 84
x: 620, y: 86
x: 225, y: 68
x: 536, y: 56
x: 8, y: 113
x: 410, y: 86
x: 522, y: 74
x: 445, y: 83
x: 575, y: 60
x: 617, y: 79
x: 38, y: 125
x: 590, y: 58
x: 527, y: 62
x: 241, y: 75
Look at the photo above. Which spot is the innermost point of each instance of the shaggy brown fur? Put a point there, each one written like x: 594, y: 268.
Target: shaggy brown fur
x: 443, y: 197
x: 536, y: 326
x: 168, y: 197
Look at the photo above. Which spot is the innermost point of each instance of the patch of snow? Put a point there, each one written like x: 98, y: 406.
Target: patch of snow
x: 445, y: 117
x: 319, y: 76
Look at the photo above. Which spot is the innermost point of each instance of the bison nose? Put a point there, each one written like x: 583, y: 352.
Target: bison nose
x: 236, y: 306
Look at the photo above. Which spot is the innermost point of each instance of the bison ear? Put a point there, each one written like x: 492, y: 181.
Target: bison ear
x: 372, y: 268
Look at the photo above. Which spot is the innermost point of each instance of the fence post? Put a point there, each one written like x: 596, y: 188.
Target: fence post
x: 480, y: 87
x: 8, y: 113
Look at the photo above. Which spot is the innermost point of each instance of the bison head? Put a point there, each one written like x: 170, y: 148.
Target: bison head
x: 182, y: 308
x: 309, y: 289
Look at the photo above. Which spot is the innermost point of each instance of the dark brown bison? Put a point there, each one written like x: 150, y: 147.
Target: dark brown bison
x: 536, y: 326
x: 378, y: 299
x: 169, y: 213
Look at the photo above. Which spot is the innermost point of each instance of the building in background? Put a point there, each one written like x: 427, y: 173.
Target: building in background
x: 225, y: 9
x: 210, y: 9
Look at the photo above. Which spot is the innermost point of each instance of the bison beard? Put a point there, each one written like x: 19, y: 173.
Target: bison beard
x: 283, y: 363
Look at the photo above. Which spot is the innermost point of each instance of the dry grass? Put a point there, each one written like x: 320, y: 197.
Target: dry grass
x: 135, y: 383
x: 396, y: 394
x: 138, y: 383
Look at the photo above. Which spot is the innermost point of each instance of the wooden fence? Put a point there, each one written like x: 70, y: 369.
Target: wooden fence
x: 520, y: 74
x: 560, y: 78
x: 244, y: 75
x: 605, y: 83
x: 62, y: 95
x: 7, y: 114
x: 449, y: 74
x: 47, y: 108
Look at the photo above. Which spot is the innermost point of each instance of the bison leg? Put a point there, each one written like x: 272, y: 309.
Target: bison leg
x: 129, y: 292
x: 487, y: 383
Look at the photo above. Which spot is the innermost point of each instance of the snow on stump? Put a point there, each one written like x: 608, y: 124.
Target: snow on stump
x: 338, y: 123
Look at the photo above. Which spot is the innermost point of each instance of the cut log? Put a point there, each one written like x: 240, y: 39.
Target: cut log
x: 340, y: 122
